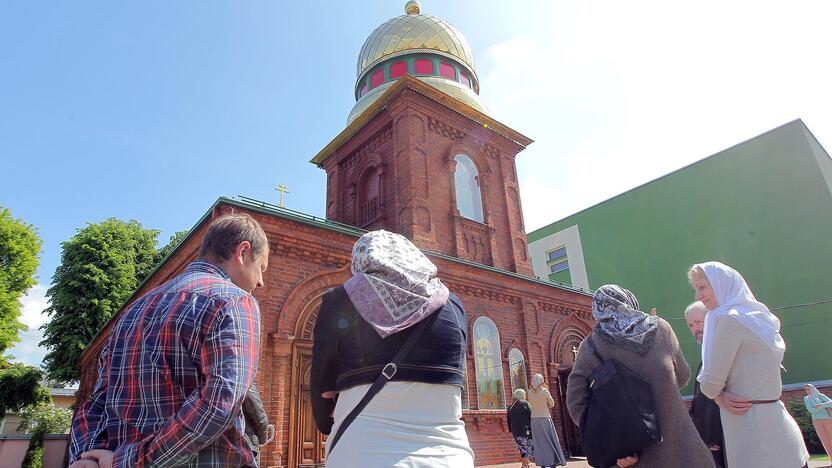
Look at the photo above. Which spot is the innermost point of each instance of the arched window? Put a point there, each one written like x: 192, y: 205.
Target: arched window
x: 465, y: 403
x: 468, y: 198
x: 398, y: 69
x: 489, y: 366
x: 517, y: 370
x: 369, y: 197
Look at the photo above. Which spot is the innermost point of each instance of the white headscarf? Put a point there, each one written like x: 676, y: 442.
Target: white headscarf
x: 736, y: 300
x: 537, y: 381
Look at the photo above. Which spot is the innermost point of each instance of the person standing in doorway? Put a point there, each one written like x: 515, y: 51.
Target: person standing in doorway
x: 703, y: 411
x: 545, y: 442
x: 179, y: 361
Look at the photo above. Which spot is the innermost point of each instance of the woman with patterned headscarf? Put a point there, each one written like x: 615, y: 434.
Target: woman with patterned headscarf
x: 742, y: 351
x: 646, y: 345
x: 414, y: 420
x: 547, y: 451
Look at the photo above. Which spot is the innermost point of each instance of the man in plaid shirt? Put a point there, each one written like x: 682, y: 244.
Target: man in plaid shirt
x: 177, y: 365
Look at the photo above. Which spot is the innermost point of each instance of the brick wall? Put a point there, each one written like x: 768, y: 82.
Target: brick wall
x: 307, y: 259
x: 414, y: 142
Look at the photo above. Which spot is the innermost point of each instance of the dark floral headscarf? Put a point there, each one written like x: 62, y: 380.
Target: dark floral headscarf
x: 620, y: 321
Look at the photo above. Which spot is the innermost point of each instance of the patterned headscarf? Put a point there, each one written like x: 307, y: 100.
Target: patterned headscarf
x: 537, y: 381
x: 619, y: 320
x: 519, y: 394
x: 393, y: 285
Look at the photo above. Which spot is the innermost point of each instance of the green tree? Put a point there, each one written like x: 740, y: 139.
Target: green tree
x: 101, y: 266
x: 19, y: 387
x: 38, y: 420
x: 45, y: 415
x: 19, y: 248
x: 172, y: 243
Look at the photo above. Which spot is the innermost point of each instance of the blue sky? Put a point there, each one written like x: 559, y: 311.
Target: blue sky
x: 151, y: 110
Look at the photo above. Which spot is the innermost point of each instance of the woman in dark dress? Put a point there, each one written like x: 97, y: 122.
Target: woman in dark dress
x: 519, y: 423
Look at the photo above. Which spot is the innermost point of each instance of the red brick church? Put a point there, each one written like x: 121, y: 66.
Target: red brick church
x: 420, y: 156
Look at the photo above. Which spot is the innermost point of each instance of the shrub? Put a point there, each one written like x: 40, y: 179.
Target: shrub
x: 807, y: 427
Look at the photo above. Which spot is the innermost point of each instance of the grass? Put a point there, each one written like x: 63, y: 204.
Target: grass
x: 819, y: 458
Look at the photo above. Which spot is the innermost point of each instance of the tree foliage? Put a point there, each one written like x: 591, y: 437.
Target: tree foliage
x: 46, y: 416
x: 172, y: 243
x: 101, y: 266
x: 19, y: 387
x: 807, y: 427
x: 19, y: 248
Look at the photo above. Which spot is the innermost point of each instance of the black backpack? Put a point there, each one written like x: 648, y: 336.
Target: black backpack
x: 620, y: 419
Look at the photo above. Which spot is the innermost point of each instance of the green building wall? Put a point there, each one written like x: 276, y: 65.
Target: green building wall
x: 763, y: 206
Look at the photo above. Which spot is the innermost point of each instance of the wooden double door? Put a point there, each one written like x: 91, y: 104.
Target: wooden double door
x: 308, y: 446
x: 571, y: 433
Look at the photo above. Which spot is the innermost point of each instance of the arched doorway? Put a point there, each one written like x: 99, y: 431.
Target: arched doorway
x: 565, y: 352
x: 307, y: 446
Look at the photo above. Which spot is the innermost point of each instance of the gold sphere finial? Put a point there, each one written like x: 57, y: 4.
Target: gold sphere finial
x: 412, y: 7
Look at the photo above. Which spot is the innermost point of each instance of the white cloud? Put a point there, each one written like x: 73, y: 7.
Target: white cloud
x: 617, y: 94
x: 33, y: 305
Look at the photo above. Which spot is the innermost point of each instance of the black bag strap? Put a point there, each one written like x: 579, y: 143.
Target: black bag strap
x: 387, y: 373
x: 594, y: 349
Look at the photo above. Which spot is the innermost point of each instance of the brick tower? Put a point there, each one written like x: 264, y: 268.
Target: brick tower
x: 420, y: 155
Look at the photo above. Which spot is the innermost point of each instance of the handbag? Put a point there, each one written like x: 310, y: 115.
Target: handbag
x: 386, y: 374
x: 620, y: 418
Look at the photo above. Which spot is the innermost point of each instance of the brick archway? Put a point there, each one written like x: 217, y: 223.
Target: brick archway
x: 566, y: 331
x: 306, y: 445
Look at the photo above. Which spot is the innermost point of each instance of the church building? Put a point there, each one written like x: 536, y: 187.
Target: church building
x: 421, y: 156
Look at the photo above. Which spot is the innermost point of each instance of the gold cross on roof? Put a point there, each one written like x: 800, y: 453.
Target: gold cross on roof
x: 282, y: 188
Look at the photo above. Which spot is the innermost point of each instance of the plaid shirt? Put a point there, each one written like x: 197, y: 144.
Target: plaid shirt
x: 173, y: 375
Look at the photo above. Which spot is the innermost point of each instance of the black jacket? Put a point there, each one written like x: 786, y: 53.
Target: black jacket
x: 347, y: 351
x: 705, y: 415
x: 519, y: 416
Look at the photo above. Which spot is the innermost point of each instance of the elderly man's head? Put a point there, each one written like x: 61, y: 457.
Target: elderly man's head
x: 695, y: 316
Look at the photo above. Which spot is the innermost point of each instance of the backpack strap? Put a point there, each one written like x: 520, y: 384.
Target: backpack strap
x: 387, y: 373
x: 594, y: 349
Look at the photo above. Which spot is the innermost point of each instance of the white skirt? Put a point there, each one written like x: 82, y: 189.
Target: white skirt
x: 407, y: 424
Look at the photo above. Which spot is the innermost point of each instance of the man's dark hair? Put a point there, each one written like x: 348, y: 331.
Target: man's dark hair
x: 226, y: 232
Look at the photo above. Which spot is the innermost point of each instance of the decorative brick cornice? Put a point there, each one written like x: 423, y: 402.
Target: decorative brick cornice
x: 558, y: 309
x: 492, y: 294
x: 447, y: 131
x: 487, y: 149
x: 385, y: 135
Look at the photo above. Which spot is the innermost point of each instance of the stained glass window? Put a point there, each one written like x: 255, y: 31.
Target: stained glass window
x: 398, y: 69
x: 423, y: 67
x: 488, y: 365
x: 517, y: 370
x: 447, y: 70
x: 468, y: 198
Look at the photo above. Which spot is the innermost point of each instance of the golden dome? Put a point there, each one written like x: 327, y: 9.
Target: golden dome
x: 422, y: 36
x: 414, y: 32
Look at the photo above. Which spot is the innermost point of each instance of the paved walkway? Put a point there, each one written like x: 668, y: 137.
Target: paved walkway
x: 581, y: 463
